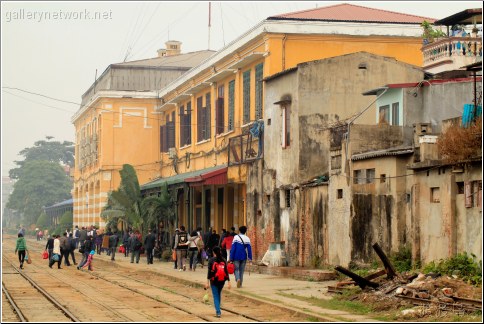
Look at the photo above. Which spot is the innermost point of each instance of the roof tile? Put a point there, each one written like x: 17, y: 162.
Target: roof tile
x: 353, y: 13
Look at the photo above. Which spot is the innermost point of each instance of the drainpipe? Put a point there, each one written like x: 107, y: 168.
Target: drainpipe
x: 284, y: 52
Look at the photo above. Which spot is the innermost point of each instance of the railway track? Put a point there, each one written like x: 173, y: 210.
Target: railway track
x: 21, y: 292
x: 115, y: 293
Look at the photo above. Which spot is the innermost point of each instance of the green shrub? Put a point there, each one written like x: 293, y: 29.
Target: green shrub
x: 467, y: 266
x: 402, y: 260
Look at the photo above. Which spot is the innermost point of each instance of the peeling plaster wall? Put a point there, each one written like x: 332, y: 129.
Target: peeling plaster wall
x: 447, y: 227
x: 330, y: 91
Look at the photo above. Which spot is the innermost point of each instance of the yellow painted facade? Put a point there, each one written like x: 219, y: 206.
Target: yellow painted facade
x: 277, y: 52
x: 110, y: 133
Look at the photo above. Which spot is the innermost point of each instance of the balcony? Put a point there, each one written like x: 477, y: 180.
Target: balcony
x: 452, y: 53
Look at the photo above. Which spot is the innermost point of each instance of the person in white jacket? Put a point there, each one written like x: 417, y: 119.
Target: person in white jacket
x: 56, y: 253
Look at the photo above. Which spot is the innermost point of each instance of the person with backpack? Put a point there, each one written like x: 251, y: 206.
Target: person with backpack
x: 240, y: 252
x: 181, y: 247
x: 216, y: 277
x: 86, y: 247
x: 135, y: 246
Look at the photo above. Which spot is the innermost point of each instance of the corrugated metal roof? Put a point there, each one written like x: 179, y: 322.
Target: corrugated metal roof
x: 63, y: 203
x: 388, y: 152
x: 187, y: 60
x: 350, y: 12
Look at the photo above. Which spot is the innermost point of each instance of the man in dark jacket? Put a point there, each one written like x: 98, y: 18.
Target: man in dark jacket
x: 65, y: 249
x: 113, y: 243
x: 82, y: 236
x: 49, y: 246
x: 150, y: 241
x: 87, y: 246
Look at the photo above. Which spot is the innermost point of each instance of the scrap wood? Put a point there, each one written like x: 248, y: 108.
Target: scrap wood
x: 368, y: 277
x: 391, y: 272
x: 476, y: 302
x: 441, y: 304
x: 360, y: 281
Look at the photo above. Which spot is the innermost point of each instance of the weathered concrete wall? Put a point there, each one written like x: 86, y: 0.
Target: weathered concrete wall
x: 276, y: 157
x: 446, y: 227
x: 366, y: 138
x: 326, y: 96
x: 313, y: 247
x: 440, y: 101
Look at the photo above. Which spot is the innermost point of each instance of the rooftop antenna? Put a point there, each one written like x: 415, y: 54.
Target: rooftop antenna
x: 209, y: 13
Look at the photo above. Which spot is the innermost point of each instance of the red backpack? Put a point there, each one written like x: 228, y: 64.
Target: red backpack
x: 219, y: 269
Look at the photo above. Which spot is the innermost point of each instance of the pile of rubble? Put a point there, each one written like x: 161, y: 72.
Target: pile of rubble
x: 432, y: 294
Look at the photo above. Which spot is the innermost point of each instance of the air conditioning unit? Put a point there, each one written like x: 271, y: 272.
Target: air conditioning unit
x: 172, y: 153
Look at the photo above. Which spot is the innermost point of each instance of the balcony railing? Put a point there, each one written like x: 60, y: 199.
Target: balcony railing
x: 243, y: 149
x: 456, y: 51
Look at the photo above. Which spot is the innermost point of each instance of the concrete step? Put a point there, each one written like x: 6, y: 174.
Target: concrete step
x: 299, y: 273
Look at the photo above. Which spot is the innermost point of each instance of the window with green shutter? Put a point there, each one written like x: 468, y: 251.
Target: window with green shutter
x: 246, y: 91
x: 208, y: 108
x: 231, y: 105
x: 259, y: 69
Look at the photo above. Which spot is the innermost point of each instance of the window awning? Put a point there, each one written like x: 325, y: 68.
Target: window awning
x: 217, y: 177
x: 180, y: 178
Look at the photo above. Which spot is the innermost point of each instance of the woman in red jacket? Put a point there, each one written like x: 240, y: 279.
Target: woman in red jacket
x: 227, y: 244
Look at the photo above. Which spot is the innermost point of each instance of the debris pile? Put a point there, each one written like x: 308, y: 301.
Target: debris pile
x: 432, y: 293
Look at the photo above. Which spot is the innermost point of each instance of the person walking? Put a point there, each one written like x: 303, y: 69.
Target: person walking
x: 193, y: 250
x: 216, y: 277
x: 113, y: 244
x: 64, y: 249
x: 227, y: 245
x: 77, y: 233
x: 181, y: 247
x: 126, y: 237
x: 240, y: 252
x: 135, y: 247
x: 56, y: 253
x: 82, y: 236
x: 49, y: 246
x: 173, y: 246
x: 21, y: 248
x: 87, y: 246
x: 71, y: 242
x: 212, y: 242
x: 98, y: 241
x: 150, y: 241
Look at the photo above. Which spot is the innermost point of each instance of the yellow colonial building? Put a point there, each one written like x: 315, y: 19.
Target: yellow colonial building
x: 118, y: 123
x: 211, y: 118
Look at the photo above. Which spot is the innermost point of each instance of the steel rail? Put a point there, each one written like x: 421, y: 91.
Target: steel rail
x: 14, y: 305
x: 66, y: 312
x: 175, y: 293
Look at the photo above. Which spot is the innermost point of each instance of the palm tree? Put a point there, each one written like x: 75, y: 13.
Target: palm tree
x: 124, y: 204
x: 159, y: 208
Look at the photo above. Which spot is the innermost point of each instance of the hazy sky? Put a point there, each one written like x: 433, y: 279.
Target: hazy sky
x: 58, y: 56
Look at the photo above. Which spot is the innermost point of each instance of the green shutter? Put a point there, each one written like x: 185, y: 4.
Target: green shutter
x: 231, y: 105
x: 246, y: 89
x: 259, y: 69
x: 207, y: 116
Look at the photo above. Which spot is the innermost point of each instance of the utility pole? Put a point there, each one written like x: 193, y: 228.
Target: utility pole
x: 209, y: 14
